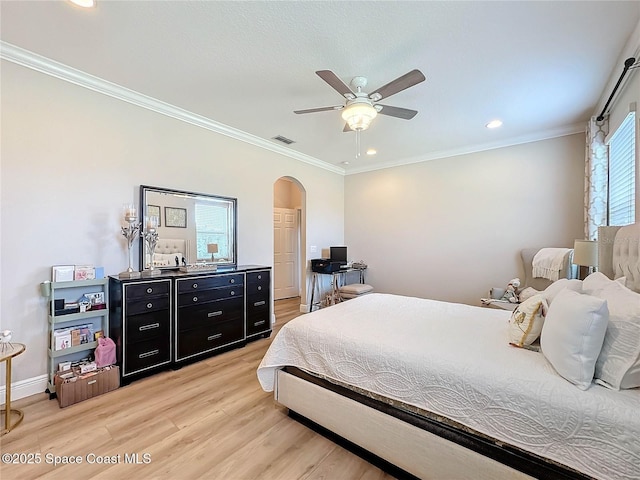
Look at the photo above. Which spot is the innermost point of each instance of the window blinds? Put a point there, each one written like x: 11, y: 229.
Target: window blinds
x: 622, y: 173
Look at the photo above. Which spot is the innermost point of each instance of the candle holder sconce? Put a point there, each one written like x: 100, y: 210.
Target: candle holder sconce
x: 150, y: 236
x: 130, y: 232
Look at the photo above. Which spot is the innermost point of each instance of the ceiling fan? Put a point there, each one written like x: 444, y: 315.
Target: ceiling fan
x: 361, y: 107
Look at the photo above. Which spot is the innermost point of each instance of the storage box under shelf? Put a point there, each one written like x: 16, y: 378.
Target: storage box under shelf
x: 92, y: 384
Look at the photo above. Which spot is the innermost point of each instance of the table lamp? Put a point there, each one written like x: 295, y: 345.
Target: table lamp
x: 212, y: 248
x: 585, y: 254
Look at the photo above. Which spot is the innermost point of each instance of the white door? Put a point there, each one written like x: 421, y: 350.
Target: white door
x: 285, y: 253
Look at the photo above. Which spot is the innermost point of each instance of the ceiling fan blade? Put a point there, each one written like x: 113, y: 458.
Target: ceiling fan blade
x: 398, y: 112
x: 335, y: 83
x: 401, y: 83
x: 320, y: 109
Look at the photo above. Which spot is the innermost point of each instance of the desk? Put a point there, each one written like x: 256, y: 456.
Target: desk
x: 7, y: 352
x: 337, y: 278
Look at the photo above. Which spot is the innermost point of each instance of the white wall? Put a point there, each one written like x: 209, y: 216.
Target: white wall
x: 450, y: 229
x: 71, y: 157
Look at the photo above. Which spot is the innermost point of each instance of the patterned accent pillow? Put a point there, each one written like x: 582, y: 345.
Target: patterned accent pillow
x: 526, y: 321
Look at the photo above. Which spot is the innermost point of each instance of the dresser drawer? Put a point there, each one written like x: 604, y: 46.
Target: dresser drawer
x: 147, y: 354
x: 147, y: 325
x: 197, y: 284
x: 257, y: 302
x: 203, y: 296
x: 262, y: 277
x: 135, y: 307
x: 200, y: 340
x: 211, y: 312
x: 258, y: 288
x: 258, y: 323
x: 147, y: 289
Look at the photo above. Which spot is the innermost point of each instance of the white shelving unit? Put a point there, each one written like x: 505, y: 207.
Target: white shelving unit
x: 72, y: 291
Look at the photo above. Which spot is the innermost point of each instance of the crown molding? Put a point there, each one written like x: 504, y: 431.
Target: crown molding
x: 26, y: 58
x: 509, y: 142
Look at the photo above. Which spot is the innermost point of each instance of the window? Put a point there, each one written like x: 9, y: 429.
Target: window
x: 214, y: 224
x: 622, y: 173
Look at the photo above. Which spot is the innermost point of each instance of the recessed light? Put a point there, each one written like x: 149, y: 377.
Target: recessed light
x: 371, y: 151
x: 84, y: 3
x: 494, y: 124
x: 345, y: 163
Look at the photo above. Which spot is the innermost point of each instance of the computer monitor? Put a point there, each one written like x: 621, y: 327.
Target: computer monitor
x: 338, y: 254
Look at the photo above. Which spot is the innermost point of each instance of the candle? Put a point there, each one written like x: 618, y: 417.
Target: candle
x: 129, y: 210
x: 152, y: 223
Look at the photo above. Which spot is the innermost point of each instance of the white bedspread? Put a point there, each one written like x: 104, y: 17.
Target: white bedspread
x: 455, y: 360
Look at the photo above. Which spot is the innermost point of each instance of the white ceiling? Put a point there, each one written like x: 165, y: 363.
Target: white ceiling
x: 539, y: 66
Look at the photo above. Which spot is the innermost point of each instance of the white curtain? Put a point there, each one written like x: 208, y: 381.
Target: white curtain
x: 595, y: 177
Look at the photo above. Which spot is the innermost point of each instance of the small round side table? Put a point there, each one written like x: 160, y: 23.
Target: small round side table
x: 7, y: 352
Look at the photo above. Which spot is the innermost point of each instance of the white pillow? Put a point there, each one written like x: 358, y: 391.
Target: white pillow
x: 526, y: 321
x: 618, y: 365
x: 595, y: 282
x: 556, y: 287
x: 527, y: 293
x: 572, y: 335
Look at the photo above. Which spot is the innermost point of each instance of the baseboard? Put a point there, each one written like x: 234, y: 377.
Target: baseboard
x: 25, y: 388
x: 304, y: 308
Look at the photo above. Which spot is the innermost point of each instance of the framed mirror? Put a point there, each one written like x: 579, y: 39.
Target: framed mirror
x: 192, y: 228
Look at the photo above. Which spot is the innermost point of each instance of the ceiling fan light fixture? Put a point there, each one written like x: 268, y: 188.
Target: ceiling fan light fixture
x: 359, y: 115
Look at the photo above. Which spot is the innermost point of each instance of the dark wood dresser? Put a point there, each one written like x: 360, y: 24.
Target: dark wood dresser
x: 174, y: 318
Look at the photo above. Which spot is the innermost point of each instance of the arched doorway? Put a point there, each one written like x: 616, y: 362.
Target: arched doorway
x: 289, y: 255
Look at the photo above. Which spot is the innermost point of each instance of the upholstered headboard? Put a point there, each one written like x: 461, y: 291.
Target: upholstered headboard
x: 166, y: 251
x: 527, y: 254
x: 619, y: 253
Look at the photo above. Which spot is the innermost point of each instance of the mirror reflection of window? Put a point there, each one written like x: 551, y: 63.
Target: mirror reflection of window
x: 214, y: 224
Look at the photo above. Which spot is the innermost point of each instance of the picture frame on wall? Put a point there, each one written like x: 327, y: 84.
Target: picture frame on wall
x: 154, y: 211
x: 175, y: 217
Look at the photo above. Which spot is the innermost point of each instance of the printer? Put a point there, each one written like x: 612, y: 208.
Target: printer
x: 337, y: 262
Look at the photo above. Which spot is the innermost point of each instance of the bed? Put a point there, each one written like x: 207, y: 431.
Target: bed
x: 434, y: 388
x: 166, y: 252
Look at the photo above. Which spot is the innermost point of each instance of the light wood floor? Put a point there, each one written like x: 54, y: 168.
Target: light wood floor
x: 208, y: 420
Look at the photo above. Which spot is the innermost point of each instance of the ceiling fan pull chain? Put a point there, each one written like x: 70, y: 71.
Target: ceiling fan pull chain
x: 357, y: 143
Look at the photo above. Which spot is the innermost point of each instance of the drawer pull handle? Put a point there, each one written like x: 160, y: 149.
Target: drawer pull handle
x: 195, y: 299
x: 195, y: 285
x: 261, y: 322
x: 257, y: 304
x: 149, y: 290
x: 214, y: 314
x: 259, y: 288
x: 214, y: 337
x: 91, y: 382
x: 259, y: 277
x: 149, y: 354
x: 233, y: 280
x: 149, y: 327
x: 233, y: 293
x: 149, y: 305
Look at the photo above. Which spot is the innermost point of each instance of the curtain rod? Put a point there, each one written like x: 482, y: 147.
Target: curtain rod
x: 628, y: 63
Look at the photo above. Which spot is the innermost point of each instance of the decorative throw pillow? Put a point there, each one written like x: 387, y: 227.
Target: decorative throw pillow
x: 572, y: 335
x: 618, y: 365
x: 595, y: 282
x: 527, y: 293
x: 556, y: 287
x: 526, y: 321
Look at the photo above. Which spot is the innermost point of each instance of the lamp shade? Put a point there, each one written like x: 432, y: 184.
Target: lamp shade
x: 212, y: 248
x: 585, y: 253
x: 358, y: 115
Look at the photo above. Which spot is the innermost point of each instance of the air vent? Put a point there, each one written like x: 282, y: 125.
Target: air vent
x: 285, y: 140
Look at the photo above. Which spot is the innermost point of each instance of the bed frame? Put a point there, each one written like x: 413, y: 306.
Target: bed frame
x: 426, y: 448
